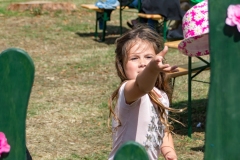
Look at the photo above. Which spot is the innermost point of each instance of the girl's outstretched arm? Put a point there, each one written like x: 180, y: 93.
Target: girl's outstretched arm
x: 146, y: 79
x: 167, y: 148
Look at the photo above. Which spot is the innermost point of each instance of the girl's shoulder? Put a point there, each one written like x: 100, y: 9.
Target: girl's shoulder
x: 122, y: 86
x: 122, y: 100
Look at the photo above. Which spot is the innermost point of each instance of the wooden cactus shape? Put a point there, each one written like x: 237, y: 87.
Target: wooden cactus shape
x: 131, y: 151
x: 16, y: 80
x: 223, y: 114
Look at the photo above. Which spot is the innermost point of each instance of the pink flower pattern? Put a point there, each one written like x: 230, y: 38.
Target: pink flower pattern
x: 233, y: 16
x: 190, y: 30
x: 195, y: 26
x: 4, y: 146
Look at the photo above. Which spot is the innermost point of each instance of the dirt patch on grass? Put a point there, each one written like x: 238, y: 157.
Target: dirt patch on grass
x: 38, y: 6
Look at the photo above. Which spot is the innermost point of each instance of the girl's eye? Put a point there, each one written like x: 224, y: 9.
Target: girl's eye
x: 132, y: 59
x: 149, y: 57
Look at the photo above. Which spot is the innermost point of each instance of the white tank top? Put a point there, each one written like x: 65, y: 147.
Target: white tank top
x: 139, y: 123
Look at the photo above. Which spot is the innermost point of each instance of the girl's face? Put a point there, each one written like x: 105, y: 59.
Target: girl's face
x: 137, y: 59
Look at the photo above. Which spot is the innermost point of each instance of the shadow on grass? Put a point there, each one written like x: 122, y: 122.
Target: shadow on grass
x: 111, y: 34
x: 199, y: 110
x: 198, y: 149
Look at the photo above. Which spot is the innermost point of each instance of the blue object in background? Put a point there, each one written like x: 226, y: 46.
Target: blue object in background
x: 134, y: 4
x: 100, y: 21
x: 108, y: 4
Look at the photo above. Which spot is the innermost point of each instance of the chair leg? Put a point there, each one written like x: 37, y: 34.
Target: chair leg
x: 165, y: 29
x: 105, y: 19
x: 96, y: 25
x: 173, y: 83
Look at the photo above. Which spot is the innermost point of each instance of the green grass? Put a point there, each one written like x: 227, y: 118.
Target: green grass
x: 75, y: 76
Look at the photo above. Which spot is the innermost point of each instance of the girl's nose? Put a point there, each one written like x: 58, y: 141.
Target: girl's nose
x: 142, y: 63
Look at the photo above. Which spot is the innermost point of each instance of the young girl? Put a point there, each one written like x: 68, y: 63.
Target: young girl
x: 140, y: 113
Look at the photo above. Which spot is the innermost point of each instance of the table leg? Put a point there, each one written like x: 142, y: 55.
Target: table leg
x: 189, y: 96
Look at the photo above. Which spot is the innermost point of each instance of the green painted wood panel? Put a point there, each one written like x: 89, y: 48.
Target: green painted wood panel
x: 223, y: 113
x: 16, y: 80
x: 131, y: 151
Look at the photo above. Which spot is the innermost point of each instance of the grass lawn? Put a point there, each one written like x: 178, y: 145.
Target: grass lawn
x: 74, y: 77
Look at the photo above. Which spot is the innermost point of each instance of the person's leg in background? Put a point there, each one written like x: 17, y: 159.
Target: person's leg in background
x: 131, y: 23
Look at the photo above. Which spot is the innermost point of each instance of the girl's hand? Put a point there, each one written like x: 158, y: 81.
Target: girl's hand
x: 167, y: 147
x: 158, y: 59
x: 170, y: 156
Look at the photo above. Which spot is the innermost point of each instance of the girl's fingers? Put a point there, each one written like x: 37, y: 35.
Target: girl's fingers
x: 164, y: 51
x: 165, y: 66
x: 168, y: 68
x: 174, y: 69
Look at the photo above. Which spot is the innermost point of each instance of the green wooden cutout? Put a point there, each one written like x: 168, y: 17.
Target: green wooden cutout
x: 16, y: 80
x: 223, y: 114
x: 131, y: 151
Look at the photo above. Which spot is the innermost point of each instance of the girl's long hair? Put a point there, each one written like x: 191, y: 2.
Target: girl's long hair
x: 123, y: 45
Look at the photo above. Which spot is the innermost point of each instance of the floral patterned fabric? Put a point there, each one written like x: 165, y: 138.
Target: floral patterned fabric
x: 233, y: 16
x: 155, y: 132
x: 195, y: 31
